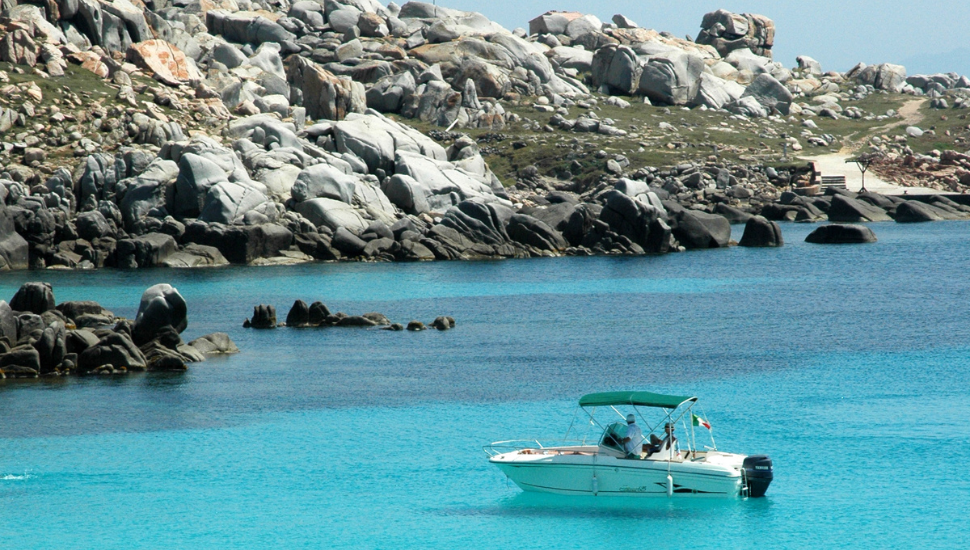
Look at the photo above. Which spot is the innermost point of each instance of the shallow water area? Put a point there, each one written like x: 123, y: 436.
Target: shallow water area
x: 848, y: 365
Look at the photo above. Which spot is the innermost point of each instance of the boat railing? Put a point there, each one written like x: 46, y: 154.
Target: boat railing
x: 559, y: 445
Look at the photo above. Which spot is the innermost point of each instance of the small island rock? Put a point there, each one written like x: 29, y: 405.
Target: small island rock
x: 841, y: 234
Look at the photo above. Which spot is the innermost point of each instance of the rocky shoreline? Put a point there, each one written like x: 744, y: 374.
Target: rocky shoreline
x: 245, y: 132
x: 41, y: 339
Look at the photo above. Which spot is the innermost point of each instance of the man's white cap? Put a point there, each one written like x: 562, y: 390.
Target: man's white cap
x: 630, y: 419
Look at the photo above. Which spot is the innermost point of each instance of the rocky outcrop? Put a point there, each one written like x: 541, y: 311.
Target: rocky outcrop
x: 264, y: 316
x: 81, y: 337
x: 727, y: 32
x: 277, y: 134
x: 316, y: 315
x: 299, y: 315
x: 884, y: 76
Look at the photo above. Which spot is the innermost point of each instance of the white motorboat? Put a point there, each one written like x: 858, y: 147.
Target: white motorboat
x: 606, y: 463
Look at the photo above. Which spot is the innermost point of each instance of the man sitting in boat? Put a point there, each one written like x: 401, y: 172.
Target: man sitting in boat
x: 667, y: 448
x: 633, y: 437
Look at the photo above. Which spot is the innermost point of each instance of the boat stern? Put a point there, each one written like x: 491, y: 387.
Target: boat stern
x: 757, y: 473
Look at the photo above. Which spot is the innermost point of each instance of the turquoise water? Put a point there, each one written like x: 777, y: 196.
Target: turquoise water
x: 848, y: 365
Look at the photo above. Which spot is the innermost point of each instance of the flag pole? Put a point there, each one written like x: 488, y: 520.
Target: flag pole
x: 710, y: 431
x: 693, y: 439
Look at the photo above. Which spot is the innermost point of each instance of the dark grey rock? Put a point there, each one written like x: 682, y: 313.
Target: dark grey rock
x: 696, y: 230
x: 348, y: 243
x: 848, y: 209
x: 533, y: 232
x: 114, y: 348
x: 161, y: 306
x: 22, y: 356
x: 264, y: 316
x: 240, y: 244
x: 915, y: 211
x: 841, y: 234
x: 149, y: 250
x: 299, y: 315
x: 760, y: 232
x: 74, y: 309
x: 34, y: 298
x: 733, y: 215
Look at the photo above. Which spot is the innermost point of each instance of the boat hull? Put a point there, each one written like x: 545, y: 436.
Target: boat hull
x: 610, y: 476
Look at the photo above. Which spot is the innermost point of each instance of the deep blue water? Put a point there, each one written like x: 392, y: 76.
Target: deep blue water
x: 848, y: 365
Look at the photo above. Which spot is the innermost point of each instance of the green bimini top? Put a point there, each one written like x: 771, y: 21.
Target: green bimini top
x: 636, y: 398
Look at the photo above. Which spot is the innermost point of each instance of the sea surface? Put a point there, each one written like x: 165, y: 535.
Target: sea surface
x: 848, y: 365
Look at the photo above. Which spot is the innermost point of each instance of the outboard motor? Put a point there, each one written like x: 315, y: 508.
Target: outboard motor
x: 757, y: 474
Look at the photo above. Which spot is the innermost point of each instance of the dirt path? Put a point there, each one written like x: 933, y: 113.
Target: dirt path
x: 910, y: 117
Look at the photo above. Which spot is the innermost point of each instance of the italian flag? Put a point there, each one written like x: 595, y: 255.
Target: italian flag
x: 698, y: 421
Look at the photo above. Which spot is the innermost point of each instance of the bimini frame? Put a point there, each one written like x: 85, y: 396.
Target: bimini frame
x: 673, y: 407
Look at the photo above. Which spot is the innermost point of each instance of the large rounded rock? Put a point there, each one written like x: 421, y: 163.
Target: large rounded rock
x: 671, y: 77
x: 332, y: 213
x: 771, y: 94
x: 915, y: 211
x: 443, y: 323
x: 617, y: 67
x: 318, y: 313
x: 389, y: 93
x: 628, y: 216
x: 161, y: 306
x: 197, y: 175
x: 227, y: 202
x: 144, y: 251
x: 701, y: 230
x: 33, y: 297
x: 29, y: 325
x: 92, y: 225
x: 51, y: 347
x: 23, y: 356
x: 229, y: 55
x: 348, y: 243
x: 114, y: 349
x: 323, y: 181
x: 530, y: 231
x: 760, y: 232
x: 848, y: 209
x: 299, y: 315
x: 841, y: 234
